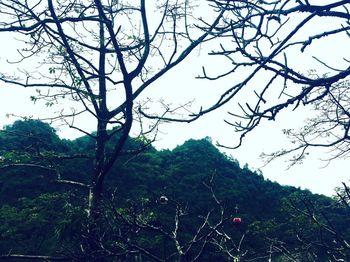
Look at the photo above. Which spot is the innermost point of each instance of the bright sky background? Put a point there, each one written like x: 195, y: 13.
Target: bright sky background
x: 179, y: 87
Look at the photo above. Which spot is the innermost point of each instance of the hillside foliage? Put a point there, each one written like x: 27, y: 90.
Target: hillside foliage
x: 38, y: 215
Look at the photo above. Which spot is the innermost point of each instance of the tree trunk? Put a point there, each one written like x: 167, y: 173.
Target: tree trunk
x: 94, y: 250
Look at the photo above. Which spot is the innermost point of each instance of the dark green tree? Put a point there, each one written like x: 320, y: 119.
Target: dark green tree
x: 203, y: 188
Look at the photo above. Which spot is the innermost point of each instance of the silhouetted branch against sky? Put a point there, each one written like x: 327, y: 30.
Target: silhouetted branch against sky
x: 102, y: 60
x: 285, y: 41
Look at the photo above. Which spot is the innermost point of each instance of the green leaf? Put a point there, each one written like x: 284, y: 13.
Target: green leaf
x: 52, y: 70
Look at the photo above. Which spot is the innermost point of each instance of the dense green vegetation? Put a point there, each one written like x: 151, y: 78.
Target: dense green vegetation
x: 40, y: 215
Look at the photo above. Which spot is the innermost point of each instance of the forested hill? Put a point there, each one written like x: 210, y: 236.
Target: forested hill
x: 39, y: 215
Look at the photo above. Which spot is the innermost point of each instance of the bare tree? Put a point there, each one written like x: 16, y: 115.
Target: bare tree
x: 99, y: 56
x: 328, y: 239
x: 327, y: 129
x: 153, y: 230
x: 277, y: 48
x: 143, y: 220
x: 96, y: 58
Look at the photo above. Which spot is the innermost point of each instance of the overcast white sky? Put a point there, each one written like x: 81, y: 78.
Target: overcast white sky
x: 180, y: 86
